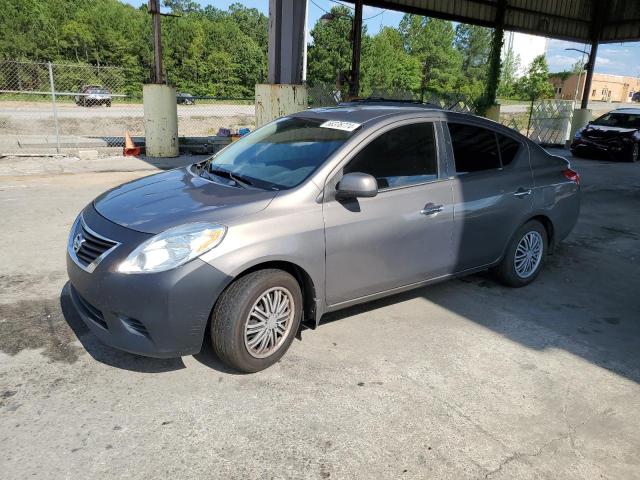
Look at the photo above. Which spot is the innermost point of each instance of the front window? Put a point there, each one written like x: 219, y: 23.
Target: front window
x: 622, y: 120
x: 400, y: 157
x: 279, y: 155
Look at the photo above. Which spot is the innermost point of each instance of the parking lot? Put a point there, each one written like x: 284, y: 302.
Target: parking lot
x: 465, y: 379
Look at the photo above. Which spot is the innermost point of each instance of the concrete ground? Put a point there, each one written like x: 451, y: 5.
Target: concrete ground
x: 465, y: 379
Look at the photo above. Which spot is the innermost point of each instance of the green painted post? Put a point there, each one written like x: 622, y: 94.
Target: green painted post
x: 495, y: 63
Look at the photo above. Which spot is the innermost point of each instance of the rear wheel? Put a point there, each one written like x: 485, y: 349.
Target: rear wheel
x: 634, y: 153
x: 524, y: 256
x: 256, y: 319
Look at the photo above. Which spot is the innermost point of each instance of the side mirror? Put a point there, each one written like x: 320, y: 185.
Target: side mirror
x: 355, y: 185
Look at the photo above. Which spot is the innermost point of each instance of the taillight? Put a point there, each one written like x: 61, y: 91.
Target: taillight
x: 571, y: 175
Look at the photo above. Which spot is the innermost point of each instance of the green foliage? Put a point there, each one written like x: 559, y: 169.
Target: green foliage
x: 430, y: 41
x: 535, y: 84
x: 508, y: 74
x: 330, y: 53
x: 474, y: 44
x: 205, y: 51
x: 387, y: 68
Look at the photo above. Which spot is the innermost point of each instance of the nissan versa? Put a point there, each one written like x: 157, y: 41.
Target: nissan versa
x: 312, y: 213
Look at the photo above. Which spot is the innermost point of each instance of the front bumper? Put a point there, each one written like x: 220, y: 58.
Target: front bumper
x: 157, y: 314
x: 610, y: 149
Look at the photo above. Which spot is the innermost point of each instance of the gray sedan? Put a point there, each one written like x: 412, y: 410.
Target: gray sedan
x: 312, y: 213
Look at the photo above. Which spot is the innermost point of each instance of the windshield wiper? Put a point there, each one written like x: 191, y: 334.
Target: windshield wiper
x: 239, y: 179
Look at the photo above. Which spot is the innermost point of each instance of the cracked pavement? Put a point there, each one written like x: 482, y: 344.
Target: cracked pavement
x: 461, y: 380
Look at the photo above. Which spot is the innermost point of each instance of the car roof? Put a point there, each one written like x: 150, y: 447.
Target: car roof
x: 632, y: 110
x: 364, y: 113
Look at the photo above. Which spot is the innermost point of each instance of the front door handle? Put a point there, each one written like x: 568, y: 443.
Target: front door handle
x: 521, y: 192
x: 431, y: 209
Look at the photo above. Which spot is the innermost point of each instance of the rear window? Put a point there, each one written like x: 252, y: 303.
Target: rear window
x: 508, y: 149
x: 474, y: 148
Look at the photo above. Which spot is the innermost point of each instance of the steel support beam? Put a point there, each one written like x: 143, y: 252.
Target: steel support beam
x: 597, y: 21
x: 286, y: 41
x: 356, y: 46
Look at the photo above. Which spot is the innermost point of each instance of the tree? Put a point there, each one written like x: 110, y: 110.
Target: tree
x: 330, y: 53
x: 535, y: 84
x: 386, y: 68
x: 508, y: 75
x: 474, y: 44
x: 430, y: 40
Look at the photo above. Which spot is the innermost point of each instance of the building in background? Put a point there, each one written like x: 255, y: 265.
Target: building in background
x: 524, y: 47
x: 604, y: 87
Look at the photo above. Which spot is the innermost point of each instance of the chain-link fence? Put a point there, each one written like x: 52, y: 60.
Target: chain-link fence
x: 200, y: 116
x: 46, y: 106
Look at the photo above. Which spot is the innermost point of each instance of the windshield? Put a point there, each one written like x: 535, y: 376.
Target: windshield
x: 622, y: 120
x: 281, y: 154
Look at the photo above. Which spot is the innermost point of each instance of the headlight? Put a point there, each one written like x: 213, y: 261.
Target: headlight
x: 173, y: 248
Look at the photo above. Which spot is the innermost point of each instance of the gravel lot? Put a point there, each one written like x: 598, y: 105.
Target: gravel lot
x: 36, y: 118
x: 465, y: 379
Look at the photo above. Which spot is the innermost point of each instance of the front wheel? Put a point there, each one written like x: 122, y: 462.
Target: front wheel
x: 256, y: 319
x: 525, y: 255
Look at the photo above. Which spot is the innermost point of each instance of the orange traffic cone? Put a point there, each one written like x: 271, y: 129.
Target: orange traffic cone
x: 129, y: 150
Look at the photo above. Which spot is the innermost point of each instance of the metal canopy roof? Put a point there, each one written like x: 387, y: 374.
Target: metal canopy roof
x: 575, y: 20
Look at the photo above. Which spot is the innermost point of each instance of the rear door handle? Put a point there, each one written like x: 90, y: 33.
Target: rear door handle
x: 431, y: 209
x: 521, y: 192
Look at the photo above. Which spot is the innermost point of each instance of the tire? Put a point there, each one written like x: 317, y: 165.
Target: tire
x: 634, y: 153
x: 518, y: 275
x: 231, y: 316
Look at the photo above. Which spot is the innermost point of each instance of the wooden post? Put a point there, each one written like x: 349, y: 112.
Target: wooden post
x: 154, y: 9
x: 356, y: 44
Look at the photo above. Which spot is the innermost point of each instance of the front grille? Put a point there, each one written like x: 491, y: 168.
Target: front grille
x: 88, y: 247
x: 92, y: 312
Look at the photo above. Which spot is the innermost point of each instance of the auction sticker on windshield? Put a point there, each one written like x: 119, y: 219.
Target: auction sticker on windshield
x: 338, y: 125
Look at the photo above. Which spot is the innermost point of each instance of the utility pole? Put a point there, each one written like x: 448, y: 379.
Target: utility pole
x: 154, y: 9
x: 159, y: 99
x: 356, y: 45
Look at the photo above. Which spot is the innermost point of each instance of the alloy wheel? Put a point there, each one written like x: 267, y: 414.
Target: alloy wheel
x: 528, y: 254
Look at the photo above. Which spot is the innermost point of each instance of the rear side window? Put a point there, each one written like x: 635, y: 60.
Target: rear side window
x: 403, y: 156
x: 508, y: 149
x: 474, y: 148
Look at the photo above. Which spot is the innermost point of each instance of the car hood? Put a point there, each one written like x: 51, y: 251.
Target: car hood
x: 158, y: 202
x: 603, y: 131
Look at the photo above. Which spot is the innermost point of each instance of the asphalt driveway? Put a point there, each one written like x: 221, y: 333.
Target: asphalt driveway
x: 465, y: 379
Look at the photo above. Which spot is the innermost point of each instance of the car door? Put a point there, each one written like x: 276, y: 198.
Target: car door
x: 492, y: 191
x: 402, y: 235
